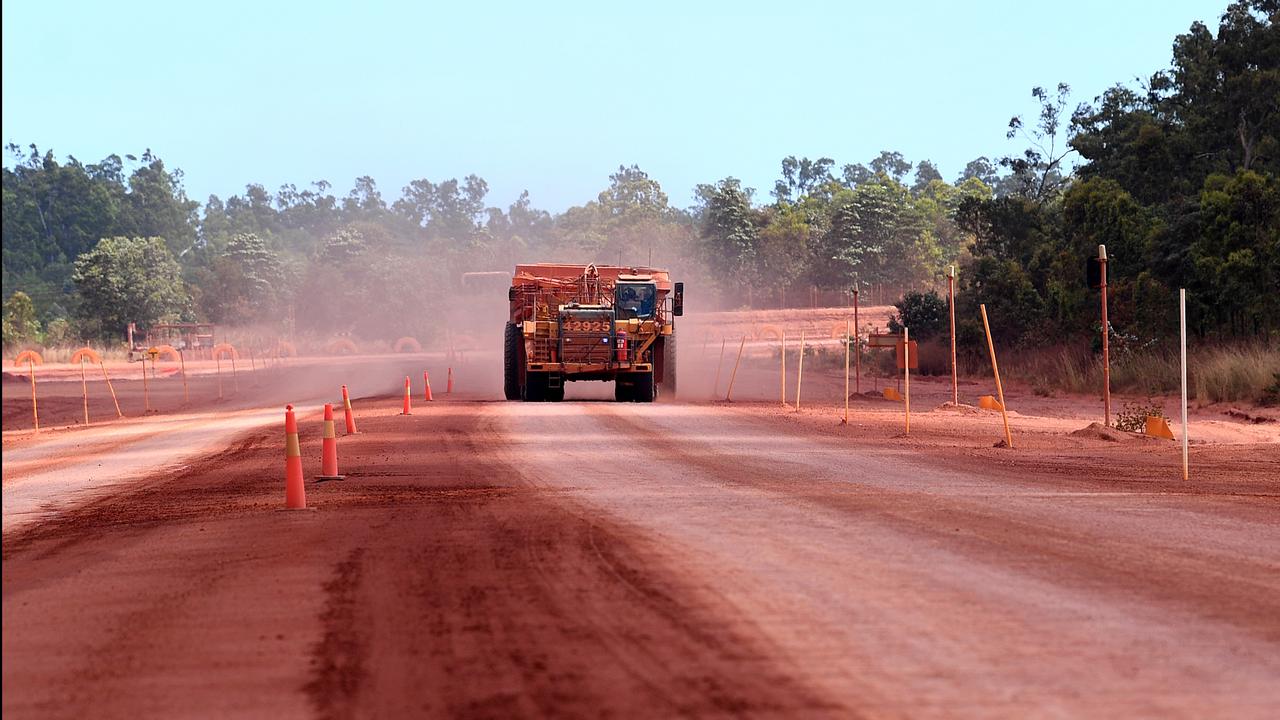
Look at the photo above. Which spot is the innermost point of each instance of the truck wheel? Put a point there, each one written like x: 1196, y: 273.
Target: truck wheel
x: 645, y: 390
x: 623, y: 391
x: 511, y: 362
x: 555, y: 394
x: 669, y: 365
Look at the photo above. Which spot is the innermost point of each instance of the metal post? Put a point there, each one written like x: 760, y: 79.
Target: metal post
x: 1106, y: 341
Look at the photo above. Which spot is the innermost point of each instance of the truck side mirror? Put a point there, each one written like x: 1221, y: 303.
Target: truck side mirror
x: 511, y: 294
x: 677, y: 300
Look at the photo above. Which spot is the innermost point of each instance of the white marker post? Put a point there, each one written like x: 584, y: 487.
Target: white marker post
x: 848, y: 338
x: 800, y: 371
x: 906, y: 375
x: 1182, y: 313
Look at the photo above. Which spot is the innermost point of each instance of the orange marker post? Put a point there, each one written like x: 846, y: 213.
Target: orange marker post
x: 350, y: 415
x: 1008, y: 437
x: 295, y: 491
x: 728, y: 395
x: 715, y: 389
x: 407, y: 391
x: 111, y: 389
x: 448, y: 386
x: 35, y: 409
x: 329, y: 449
x: 426, y: 380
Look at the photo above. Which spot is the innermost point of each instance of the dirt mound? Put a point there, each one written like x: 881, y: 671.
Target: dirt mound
x: 961, y: 408
x: 1098, y: 431
x: 869, y: 396
x: 8, y: 377
x: 1237, y: 414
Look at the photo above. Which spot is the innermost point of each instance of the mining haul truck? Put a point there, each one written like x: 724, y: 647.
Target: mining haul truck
x: 591, y: 322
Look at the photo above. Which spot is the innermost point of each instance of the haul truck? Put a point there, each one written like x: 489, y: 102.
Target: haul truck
x: 591, y: 322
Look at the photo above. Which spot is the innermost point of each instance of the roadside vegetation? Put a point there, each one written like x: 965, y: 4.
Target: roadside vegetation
x: 1178, y: 175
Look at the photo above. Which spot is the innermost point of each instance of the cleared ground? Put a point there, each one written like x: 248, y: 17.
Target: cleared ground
x: 492, y: 559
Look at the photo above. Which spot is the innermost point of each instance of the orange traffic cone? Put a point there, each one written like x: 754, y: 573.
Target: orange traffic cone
x: 426, y: 380
x: 448, y: 388
x: 406, y: 397
x: 295, y: 493
x: 329, y: 449
x: 346, y: 409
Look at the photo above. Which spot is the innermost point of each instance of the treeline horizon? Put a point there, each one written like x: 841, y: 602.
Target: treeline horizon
x: 1177, y: 177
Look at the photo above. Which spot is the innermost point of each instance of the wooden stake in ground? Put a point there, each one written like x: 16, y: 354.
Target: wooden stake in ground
x: 1106, y: 341
x: 111, y: 389
x: 847, y: 339
x: 800, y: 371
x: 235, y: 383
x: 728, y: 395
x: 182, y: 365
x: 906, y: 378
x: 217, y: 365
x: 995, y: 369
x: 951, y: 305
x: 715, y: 390
x: 1182, y: 315
x: 84, y: 389
x: 784, y: 367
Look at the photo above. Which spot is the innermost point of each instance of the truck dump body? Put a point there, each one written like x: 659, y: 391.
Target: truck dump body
x: 590, y: 322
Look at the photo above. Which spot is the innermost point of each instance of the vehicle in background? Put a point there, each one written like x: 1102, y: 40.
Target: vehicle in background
x: 591, y: 322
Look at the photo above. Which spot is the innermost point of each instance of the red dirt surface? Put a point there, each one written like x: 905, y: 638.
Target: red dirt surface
x: 587, y: 559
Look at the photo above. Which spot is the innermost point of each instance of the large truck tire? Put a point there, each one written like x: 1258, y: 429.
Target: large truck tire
x: 669, y: 366
x: 511, y: 362
x: 622, y: 390
x: 645, y: 389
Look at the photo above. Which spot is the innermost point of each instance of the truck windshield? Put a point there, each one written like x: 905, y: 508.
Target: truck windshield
x: 635, y: 300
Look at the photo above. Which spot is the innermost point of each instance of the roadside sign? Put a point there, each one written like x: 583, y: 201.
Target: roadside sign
x: 915, y: 356
x: 883, y: 340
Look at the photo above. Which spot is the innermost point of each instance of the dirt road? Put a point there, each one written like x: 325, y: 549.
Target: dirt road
x: 588, y: 559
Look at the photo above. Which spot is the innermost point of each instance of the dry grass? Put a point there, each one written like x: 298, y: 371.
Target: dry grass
x: 1238, y: 373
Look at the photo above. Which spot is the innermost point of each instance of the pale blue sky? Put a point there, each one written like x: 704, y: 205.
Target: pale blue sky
x: 553, y: 96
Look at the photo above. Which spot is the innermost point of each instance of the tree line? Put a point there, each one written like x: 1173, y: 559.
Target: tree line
x: 1176, y: 175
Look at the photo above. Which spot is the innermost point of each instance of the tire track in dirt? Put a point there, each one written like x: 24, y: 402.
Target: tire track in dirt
x: 1243, y: 591
x: 339, y: 659
x: 436, y: 581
